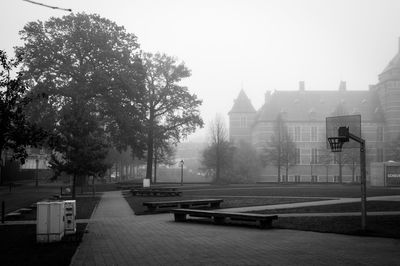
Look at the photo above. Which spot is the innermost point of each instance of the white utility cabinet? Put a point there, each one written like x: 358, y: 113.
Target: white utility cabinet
x: 50, y: 221
x: 70, y: 216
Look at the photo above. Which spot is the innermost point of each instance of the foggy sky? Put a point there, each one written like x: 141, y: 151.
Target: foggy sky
x: 255, y: 45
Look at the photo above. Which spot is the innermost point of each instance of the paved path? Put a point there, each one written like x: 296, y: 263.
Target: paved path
x: 117, y: 237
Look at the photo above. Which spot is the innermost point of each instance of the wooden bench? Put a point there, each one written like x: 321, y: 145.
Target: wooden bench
x: 220, y: 217
x: 13, y: 215
x: 158, y: 206
x: 24, y: 210
x: 155, y: 192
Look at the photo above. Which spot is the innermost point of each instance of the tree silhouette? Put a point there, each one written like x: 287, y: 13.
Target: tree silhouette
x: 171, y: 110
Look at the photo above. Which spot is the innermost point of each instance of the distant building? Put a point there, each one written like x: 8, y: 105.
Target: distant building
x: 305, y: 112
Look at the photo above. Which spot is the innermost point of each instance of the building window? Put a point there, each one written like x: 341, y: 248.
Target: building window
x: 379, y: 134
x: 379, y: 155
x: 314, y: 156
x: 297, y: 178
x: 297, y: 156
x: 314, y: 134
x: 336, y: 158
x: 297, y: 134
x: 314, y: 179
x: 243, y: 122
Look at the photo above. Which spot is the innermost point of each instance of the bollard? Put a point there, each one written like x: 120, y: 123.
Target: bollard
x: 3, y: 211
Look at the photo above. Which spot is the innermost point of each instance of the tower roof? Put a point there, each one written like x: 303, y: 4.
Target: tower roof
x: 242, y: 104
x: 394, y: 64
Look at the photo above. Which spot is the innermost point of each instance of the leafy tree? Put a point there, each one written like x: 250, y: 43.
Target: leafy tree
x: 80, y: 144
x: 16, y: 131
x: 164, y: 153
x: 171, y: 111
x: 280, y: 150
x: 91, y: 72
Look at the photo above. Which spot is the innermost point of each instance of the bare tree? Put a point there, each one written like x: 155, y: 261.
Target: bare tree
x: 351, y: 158
x: 218, y: 156
x: 219, y: 137
x: 325, y: 158
x: 280, y: 151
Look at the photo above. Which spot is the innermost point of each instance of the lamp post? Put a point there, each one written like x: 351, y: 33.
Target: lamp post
x: 181, y: 163
x: 37, y: 172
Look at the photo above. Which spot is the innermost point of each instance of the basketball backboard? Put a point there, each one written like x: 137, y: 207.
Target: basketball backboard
x: 353, y: 122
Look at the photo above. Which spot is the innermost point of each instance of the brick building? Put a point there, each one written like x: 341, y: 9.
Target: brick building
x: 305, y: 112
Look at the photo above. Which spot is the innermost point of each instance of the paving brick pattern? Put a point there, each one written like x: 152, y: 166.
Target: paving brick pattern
x: 117, y: 237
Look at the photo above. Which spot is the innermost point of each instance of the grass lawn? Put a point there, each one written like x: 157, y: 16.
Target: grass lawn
x: 84, y: 208
x: 136, y: 203
x: 292, y: 190
x: 372, y: 206
x: 380, y: 226
x: 19, y: 247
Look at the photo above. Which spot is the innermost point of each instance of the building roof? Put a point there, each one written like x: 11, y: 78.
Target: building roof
x: 392, y: 70
x: 317, y: 105
x: 242, y: 104
x: 395, y: 62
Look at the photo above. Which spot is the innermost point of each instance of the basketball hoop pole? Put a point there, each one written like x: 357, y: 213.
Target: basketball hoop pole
x: 363, y: 180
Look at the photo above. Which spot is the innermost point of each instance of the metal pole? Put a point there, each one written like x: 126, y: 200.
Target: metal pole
x: 363, y: 187
x: 363, y: 180
x: 182, y: 173
x: 37, y: 172
x: 3, y: 211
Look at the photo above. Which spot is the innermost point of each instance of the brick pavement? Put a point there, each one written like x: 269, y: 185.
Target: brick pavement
x: 117, y: 237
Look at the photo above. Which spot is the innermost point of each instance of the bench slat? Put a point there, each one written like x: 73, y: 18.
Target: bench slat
x: 219, y: 217
x: 163, y: 205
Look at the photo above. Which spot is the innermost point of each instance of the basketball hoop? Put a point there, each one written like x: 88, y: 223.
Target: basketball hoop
x: 336, y: 143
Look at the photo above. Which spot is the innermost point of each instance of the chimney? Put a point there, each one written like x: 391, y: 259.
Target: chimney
x: 342, y: 86
x: 301, y: 86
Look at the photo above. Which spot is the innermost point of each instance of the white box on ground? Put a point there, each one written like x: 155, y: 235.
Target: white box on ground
x: 146, y: 182
x: 50, y: 221
x: 70, y: 216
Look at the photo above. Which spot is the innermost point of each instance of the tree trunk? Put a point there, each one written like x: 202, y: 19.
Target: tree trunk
x: 82, y: 183
x: 217, y: 170
x: 287, y: 171
x: 93, y: 187
x: 155, y: 167
x: 1, y: 167
x: 340, y: 167
x: 73, y: 186
x: 150, y: 146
